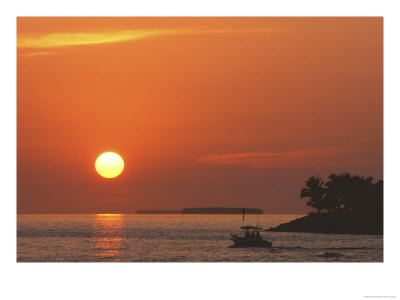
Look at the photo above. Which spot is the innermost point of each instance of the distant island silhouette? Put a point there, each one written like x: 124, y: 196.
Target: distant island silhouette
x: 205, y: 210
x: 344, y: 204
x: 158, y: 211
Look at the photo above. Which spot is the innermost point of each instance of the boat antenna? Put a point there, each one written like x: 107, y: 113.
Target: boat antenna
x: 243, y: 211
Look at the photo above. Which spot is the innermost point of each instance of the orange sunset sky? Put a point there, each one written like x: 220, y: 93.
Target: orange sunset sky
x: 204, y: 111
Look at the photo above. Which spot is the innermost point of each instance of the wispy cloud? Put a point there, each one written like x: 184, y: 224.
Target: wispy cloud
x: 327, y: 157
x: 40, y: 53
x: 62, y: 39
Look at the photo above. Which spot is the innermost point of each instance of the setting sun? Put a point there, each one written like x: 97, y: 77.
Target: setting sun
x: 109, y: 164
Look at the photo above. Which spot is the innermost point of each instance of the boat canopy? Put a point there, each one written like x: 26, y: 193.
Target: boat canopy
x: 251, y: 227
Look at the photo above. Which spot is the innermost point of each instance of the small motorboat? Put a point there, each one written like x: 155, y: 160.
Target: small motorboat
x: 252, y: 238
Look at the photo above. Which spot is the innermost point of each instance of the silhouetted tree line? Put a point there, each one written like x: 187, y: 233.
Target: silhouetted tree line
x: 344, y: 193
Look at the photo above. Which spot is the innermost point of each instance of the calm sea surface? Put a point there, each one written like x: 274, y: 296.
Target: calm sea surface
x: 179, y: 238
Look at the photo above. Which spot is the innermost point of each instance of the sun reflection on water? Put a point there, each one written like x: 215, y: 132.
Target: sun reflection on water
x: 108, y: 241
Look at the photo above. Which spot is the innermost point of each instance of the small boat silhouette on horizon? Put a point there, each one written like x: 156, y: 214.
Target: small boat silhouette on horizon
x: 251, y: 238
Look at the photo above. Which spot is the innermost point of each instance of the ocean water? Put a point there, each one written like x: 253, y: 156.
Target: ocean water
x: 179, y: 238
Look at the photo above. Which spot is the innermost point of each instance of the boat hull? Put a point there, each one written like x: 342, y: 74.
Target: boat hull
x: 246, y: 243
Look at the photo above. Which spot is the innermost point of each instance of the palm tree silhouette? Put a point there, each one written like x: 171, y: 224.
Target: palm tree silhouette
x: 346, y: 192
x: 315, y: 191
x: 349, y: 203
